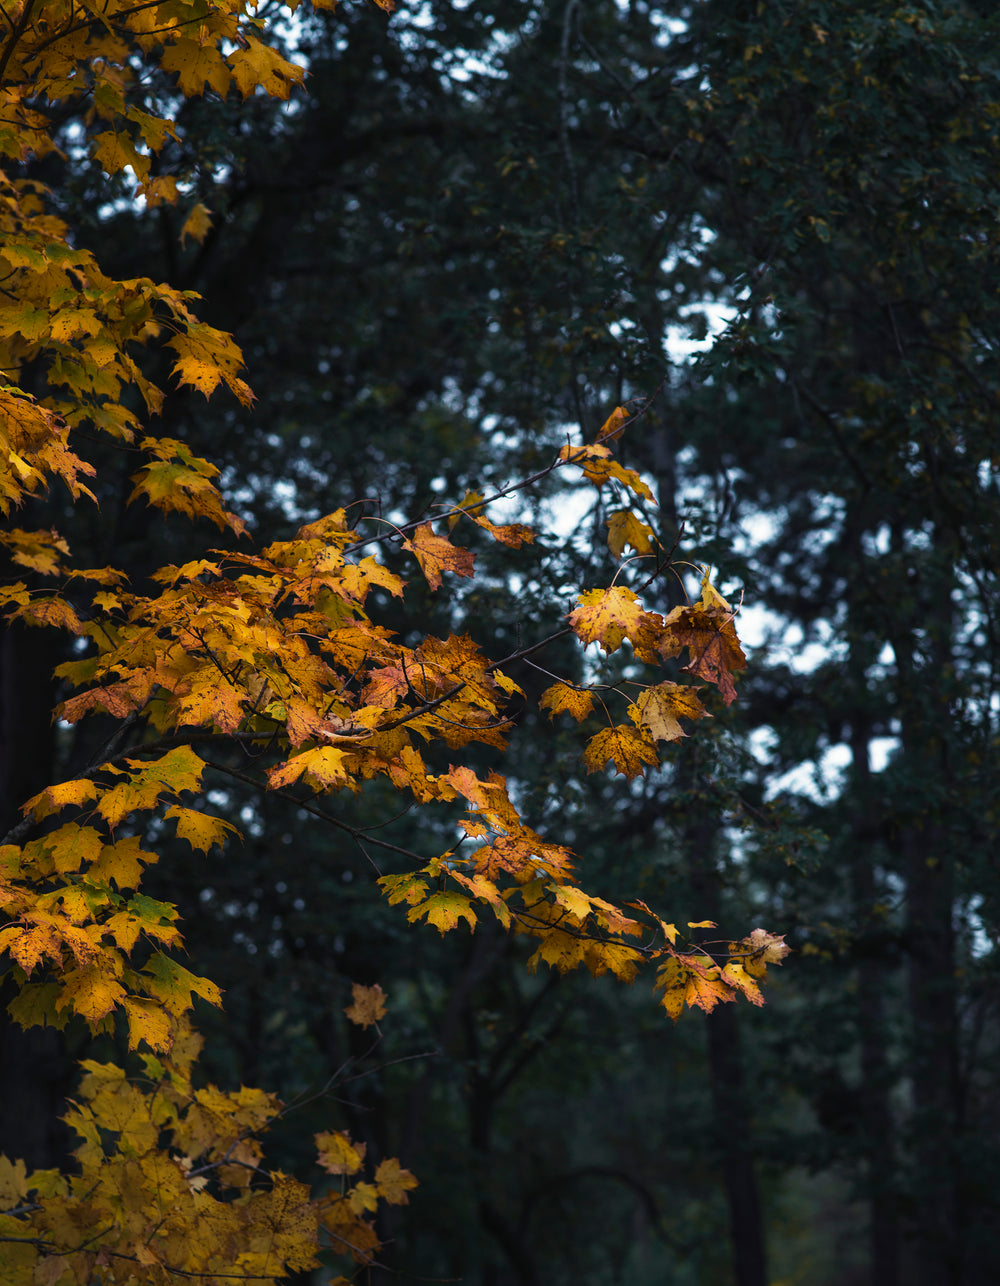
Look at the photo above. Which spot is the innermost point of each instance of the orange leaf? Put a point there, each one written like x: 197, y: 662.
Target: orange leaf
x: 435, y: 555
x: 613, y: 425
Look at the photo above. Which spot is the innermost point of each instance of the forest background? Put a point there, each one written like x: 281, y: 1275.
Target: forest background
x: 770, y: 232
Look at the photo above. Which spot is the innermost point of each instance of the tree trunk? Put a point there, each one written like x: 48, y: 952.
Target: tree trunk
x: 875, y: 1109
x: 35, y: 1074
x: 730, y: 1109
x: 925, y: 718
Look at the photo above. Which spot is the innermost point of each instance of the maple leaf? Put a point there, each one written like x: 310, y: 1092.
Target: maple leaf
x: 435, y: 555
x: 393, y: 1182
x: 629, y: 749
x: 148, y: 1023
x: 338, y: 1154
x: 481, y: 887
x: 200, y: 830
x: 562, y: 697
x: 122, y: 862
x: 738, y: 977
x: 13, y: 1182
x: 575, y: 901
x: 607, y: 617
x: 55, y: 798
x: 613, y: 426
x: 323, y: 764
x: 408, y: 887
x: 707, y: 630
x: 197, y: 224
x: 759, y: 949
x: 507, y: 684
x: 706, y: 988
x: 444, y: 910
x: 116, y: 151
x: 660, y: 708
x: 367, y: 1005
x: 91, y: 991
x: 260, y: 66
x: 38, y: 550
x: 625, y: 529
x: 74, y: 846
x: 691, y: 980
x: 174, y: 985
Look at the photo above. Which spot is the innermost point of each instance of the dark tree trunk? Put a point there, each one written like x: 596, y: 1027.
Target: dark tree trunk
x: 35, y: 1074
x: 874, y: 1107
x: 924, y: 683
x: 730, y: 1108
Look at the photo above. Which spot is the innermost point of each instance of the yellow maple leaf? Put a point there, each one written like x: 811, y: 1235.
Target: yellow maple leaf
x: 629, y: 749
x: 734, y: 973
x: 367, y: 1005
x: 338, y: 1154
x: 92, y: 991
x: 661, y: 707
x: 55, y: 798
x: 197, y: 224
x: 573, y: 900
x: 39, y: 550
x: 444, y: 910
x: 13, y: 1182
x: 122, y: 862
x: 394, y: 1182
x: 363, y: 1197
x: 323, y: 764
x: 258, y: 66
x: 625, y: 529
x: 147, y: 1022
x: 563, y: 698
x: 607, y: 617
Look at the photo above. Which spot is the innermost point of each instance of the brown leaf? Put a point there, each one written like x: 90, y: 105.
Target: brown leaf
x: 710, y: 637
x: 435, y: 555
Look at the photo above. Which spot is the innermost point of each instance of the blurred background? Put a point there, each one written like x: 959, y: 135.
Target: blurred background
x: 774, y: 227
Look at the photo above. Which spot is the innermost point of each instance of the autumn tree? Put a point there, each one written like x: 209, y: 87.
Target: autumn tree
x: 268, y: 667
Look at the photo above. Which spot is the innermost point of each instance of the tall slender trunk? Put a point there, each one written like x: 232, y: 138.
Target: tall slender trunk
x: 35, y: 1074
x: 730, y: 1106
x: 923, y: 686
x: 874, y: 1106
